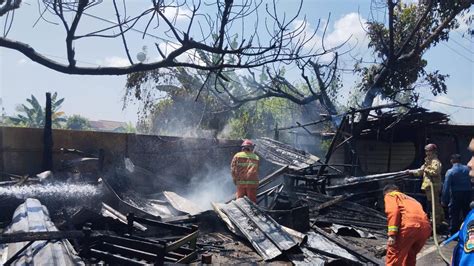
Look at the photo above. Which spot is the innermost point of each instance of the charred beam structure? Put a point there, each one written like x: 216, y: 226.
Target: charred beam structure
x: 326, y: 209
x: 351, y: 177
x: 123, y: 249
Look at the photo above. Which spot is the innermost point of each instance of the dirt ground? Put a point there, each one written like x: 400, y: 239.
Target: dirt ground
x: 429, y: 255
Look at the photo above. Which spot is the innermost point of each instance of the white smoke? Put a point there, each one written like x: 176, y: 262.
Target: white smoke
x: 215, y: 185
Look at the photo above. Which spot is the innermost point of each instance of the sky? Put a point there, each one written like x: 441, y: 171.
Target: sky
x: 101, y: 97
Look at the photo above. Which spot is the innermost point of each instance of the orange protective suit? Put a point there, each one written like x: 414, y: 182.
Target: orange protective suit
x: 410, y: 226
x: 244, y: 169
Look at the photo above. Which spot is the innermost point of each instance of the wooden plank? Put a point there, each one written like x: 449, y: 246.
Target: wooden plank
x: 271, y: 176
x: 33, y: 236
x: 333, y: 201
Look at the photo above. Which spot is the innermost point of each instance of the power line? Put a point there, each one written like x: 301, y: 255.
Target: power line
x: 464, y: 47
x: 454, y: 50
x: 464, y: 37
x: 64, y: 58
x: 448, y: 104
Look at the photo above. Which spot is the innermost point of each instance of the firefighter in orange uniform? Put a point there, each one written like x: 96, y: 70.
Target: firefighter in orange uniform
x: 408, y: 227
x: 244, y: 169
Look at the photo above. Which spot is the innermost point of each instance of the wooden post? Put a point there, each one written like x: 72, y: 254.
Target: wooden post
x: 48, y: 136
x: 389, y: 161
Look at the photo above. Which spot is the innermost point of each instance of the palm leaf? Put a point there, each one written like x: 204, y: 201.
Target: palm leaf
x: 57, y: 104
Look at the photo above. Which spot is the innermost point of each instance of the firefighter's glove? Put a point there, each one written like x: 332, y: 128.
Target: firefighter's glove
x: 391, y: 240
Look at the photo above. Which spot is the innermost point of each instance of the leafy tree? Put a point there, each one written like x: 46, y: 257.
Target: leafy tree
x: 401, y: 44
x: 171, y: 106
x: 77, y: 122
x: 33, y: 114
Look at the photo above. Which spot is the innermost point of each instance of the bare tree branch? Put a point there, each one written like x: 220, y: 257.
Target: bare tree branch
x: 122, y: 33
x: 217, y: 37
x: 8, y: 5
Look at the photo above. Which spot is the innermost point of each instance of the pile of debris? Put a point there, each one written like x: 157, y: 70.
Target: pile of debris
x: 293, y: 220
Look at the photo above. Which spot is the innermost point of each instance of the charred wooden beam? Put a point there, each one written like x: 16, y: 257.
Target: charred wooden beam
x: 35, y: 236
x: 48, y: 136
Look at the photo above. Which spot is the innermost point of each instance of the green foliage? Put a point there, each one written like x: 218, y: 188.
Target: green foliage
x: 258, y: 119
x: 128, y: 128
x: 409, y: 67
x: 33, y: 115
x: 7, y: 122
x: 77, y: 122
x: 178, y: 110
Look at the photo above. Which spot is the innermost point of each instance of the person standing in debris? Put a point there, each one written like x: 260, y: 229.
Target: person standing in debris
x: 463, y: 253
x: 431, y: 172
x: 456, y: 193
x: 244, y: 169
x: 408, y: 227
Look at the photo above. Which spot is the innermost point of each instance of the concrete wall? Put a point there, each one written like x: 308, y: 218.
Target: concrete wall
x: 21, y: 150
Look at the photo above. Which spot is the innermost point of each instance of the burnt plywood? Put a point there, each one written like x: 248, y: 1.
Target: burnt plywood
x: 374, y: 155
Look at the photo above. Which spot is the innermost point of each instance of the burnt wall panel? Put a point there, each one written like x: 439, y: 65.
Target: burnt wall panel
x: 170, y: 157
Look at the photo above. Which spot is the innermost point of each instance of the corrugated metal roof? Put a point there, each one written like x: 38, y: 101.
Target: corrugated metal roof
x: 282, y: 154
x: 266, y: 236
x: 31, y: 216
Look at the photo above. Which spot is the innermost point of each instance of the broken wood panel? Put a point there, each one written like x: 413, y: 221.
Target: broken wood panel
x: 262, y: 244
x: 108, y: 211
x: 271, y: 228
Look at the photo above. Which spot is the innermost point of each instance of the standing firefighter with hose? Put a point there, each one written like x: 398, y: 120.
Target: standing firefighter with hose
x: 431, y: 172
x: 244, y: 169
x: 408, y: 227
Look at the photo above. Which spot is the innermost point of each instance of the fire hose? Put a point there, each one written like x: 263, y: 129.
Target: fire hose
x: 435, y: 237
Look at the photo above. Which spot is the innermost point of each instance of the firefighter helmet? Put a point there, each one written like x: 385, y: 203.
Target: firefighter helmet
x: 431, y: 147
x: 247, y: 143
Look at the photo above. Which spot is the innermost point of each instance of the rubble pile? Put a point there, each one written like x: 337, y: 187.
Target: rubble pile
x: 293, y: 221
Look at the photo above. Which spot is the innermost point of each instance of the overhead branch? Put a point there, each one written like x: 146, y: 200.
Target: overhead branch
x: 8, y: 5
x: 117, y: 13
